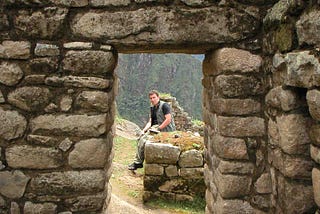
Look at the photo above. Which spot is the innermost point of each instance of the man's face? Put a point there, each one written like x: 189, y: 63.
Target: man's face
x: 154, y: 99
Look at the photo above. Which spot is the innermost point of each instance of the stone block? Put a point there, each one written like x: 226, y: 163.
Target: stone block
x: 232, y: 186
x: 71, y: 3
x: 14, y: 208
x: 241, y: 126
x: 31, y: 208
x: 46, y: 50
x: 79, y: 82
x: 43, y: 24
x: 232, y: 60
x: 191, y: 158
x: 313, y: 99
x: 94, y: 101
x: 223, y: 206
x: 30, y: 98
x: 99, y: 3
x: 234, y: 106
x: 283, y: 99
x: 153, y: 169
x: 88, y: 203
x: 10, y: 73
x: 44, y: 65
x: 42, y: 140
x: 316, y: 185
x: 66, y: 144
x: 293, y: 133
x: 295, y: 203
x: 308, y: 28
x: 191, y: 172
x: 66, y: 103
x: 31, y: 157
x: 15, y: 50
x: 13, y: 184
x: 229, y: 148
x: 273, y: 133
x: 2, y: 99
x: 232, y: 86
x: 36, y: 79
x: 234, y: 167
x: 79, y: 125
x: 315, y: 153
x: 90, y: 62
x: 68, y: 183
x: 161, y: 153
x: 263, y: 185
x: 315, y: 134
x: 12, y: 124
x: 171, y: 171
x: 2, y: 202
x: 262, y: 202
x: 91, y: 153
x: 78, y: 45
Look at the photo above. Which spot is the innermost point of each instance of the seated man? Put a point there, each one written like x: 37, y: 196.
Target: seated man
x: 160, y: 117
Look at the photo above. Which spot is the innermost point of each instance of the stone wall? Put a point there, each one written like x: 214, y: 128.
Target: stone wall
x: 173, y: 174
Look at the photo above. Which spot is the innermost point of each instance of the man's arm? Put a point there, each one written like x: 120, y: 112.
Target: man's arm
x: 148, y: 125
x: 166, y: 121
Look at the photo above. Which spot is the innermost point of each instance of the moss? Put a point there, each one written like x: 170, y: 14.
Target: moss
x: 284, y: 37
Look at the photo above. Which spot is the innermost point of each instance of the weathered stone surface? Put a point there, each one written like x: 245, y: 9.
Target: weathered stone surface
x: 292, y: 167
x: 315, y: 153
x: 295, y: 203
x: 46, y: 50
x: 44, y: 24
x: 191, y: 172
x: 30, y: 98
x: 231, y: 60
x: 36, y: 79
x: 66, y: 103
x: 14, y: 208
x: 229, y: 206
x: 161, y: 153
x: 2, y: 202
x: 80, y: 125
x: 68, y: 183
x: 285, y: 100
x: 315, y: 134
x: 86, y: 203
x: 261, y: 202
x: 79, y: 82
x: 44, y: 65
x: 231, y: 186
x: 263, y: 185
x: 78, y: 45
x: 171, y: 171
x: 90, y: 62
x: 65, y: 145
x: 293, y: 133
x: 153, y: 169
x: 12, y: 124
x: 235, y: 106
x: 4, y: 22
x: 273, y: 133
x: 33, y: 157
x: 91, y: 153
x: 43, y: 208
x: 234, y: 167
x: 154, y: 26
x: 308, y: 28
x: 316, y: 185
x: 71, y: 3
x: 15, y: 50
x: 97, y: 3
x: 237, y: 85
x: 230, y: 148
x: 94, y: 101
x: 191, y: 158
x: 241, y: 126
x: 41, y: 140
x: 313, y: 99
x: 13, y: 184
x: 2, y: 100
x: 10, y: 73
x: 302, y: 69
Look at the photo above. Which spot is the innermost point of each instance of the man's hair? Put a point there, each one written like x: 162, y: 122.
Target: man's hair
x: 154, y: 92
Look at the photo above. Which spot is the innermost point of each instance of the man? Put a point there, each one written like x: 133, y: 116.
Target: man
x: 160, y: 119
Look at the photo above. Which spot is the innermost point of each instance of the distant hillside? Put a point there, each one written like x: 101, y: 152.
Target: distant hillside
x: 177, y: 74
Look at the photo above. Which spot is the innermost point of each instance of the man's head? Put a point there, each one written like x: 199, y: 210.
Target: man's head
x: 154, y: 97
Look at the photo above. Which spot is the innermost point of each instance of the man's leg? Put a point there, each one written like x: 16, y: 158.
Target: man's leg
x: 138, y: 161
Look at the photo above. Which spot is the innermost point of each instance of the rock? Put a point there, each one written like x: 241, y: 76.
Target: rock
x: 71, y: 3
x: 44, y: 65
x: 234, y: 167
x: 97, y: 3
x: 241, y: 126
x: 223, y: 206
x: 79, y: 125
x: 316, y: 185
x: 35, y: 79
x: 90, y: 62
x: 46, y: 50
x: 91, y: 153
x: 191, y: 173
x: 313, y: 99
x: 230, y: 148
x: 263, y: 185
x: 171, y: 171
x: 14, y: 208
x: 42, y: 140
x: 191, y: 158
x: 66, y: 103
x: 65, y: 145
x: 13, y: 184
x: 30, y: 98
x: 2, y: 100
x: 44, y: 24
x: 33, y: 157
x: 78, y: 45
x: 315, y: 153
x: 161, y: 153
x: 231, y: 60
x: 2, y: 202
x: 315, y: 134
x: 68, y: 183
x: 89, y: 203
x: 12, y: 124
x: 235, y: 106
x: 94, y: 101
x: 153, y: 169
x: 48, y: 208
x: 80, y: 82
x: 15, y: 50
x: 273, y: 132
x: 10, y: 73
x: 308, y: 28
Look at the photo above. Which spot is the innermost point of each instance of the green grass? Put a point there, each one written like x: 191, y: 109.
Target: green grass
x: 193, y: 207
x: 197, y: 122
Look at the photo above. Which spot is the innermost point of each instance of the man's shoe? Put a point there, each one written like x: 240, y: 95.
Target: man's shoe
x: 135, y: 166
